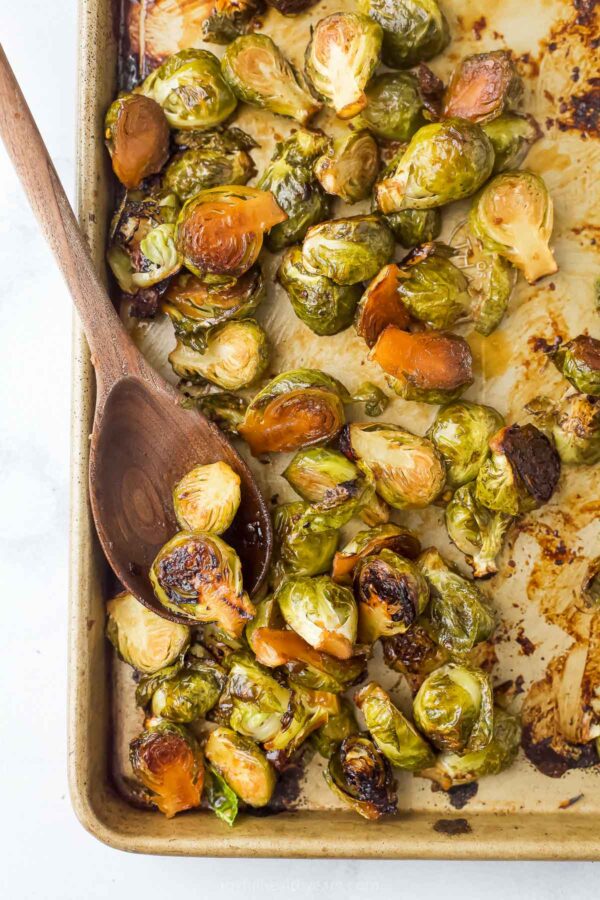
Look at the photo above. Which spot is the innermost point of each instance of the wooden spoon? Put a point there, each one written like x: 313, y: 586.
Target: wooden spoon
x: 143, y: 441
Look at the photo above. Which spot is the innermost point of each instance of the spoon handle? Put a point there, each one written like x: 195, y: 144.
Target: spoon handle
x: 113, y: 352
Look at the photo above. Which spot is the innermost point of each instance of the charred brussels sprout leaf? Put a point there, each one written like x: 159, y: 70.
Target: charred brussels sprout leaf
x: 408, y: 470
x: 304, y: 547
x: 521, y: 473
x: 376, y: 402
x: 255, y: 701
x: 242, y: 764
x: 236, y: 354
x: 137, y: 137
x: 412, y: 227
x: 296, y: 409
x: 576, y: 431
x: 391, y: 594
x: 260, y: 75
x: 394, y: 109
x: 200, y: 576
x: 461, y: 431
x: 360, y: 776
x: 224, y: 409
x: 513, y: 216
x: 454, y: 708
x: 341, y: 56
x: 290, y: 179
x: 477, y: 531
x: 324, y: 306
x: 348, y: 250
x: 413, y: 30
x: 381, y: 305
x: 350, y: 168
x: 483, y: 86
x: 219, y: 797
x: 207, y: 498
x: 460, y: 613
x: 167, y: 760
x: 228, y: 19
x: 512, y: 137
x: 337, y: 728
x: 141, y: 638
x: 369, y: 543
x: 414, y: 653
x: 432, y: 288
x: 444, y: 161
x: 188, y: 694
x: 392, y: 733
x: 210, y: 163
x: 579, y: 362
x: 322, y: 612
x: 191, y: 90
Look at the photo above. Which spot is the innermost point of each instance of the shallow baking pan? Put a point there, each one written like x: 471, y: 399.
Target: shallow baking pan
x: 522, y: 814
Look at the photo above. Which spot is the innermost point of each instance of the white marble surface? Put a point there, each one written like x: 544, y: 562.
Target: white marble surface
x: 45, y: 852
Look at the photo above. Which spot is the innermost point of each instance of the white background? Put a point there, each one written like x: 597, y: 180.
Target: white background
x: 45, y: 852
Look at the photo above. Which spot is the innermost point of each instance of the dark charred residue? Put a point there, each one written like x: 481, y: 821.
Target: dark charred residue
x: 585, y: 11
x: 460, y: 795
x: 553, y: 764
x: 431, y: 89
x: 527, y: 646
x: 478, y: 27
x: 452, y: 827
x: 145, y: 302
x: 345, y: 444
x: 519, y: 682
x: 585, y: 111
x: 533, y: 458
x: 291, y: 774
x: 571, y: 801
x: 541, y: 345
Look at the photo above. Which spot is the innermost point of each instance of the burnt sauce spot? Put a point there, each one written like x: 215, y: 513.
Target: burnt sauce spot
x: 534, y: 459
x: 290, y: 777
x: 452, y: 827
x: 553, y: 764
x: 527, y: 646
x: 460, y: 795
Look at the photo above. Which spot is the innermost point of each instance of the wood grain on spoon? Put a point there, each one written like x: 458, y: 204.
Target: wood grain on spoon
x: 142, y: 440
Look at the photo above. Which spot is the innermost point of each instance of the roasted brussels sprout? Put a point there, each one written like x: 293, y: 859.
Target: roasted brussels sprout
x: 392, y: 733
x: 237, y: 353
x: 414, y: 653
x: 221, y: 645
x: 413, y: 30
x: 391, y: 594
x: 255, y: 701
x: 290, y: 178
x: 191, y: 90
x: 579, y: 362
x: 381, y: 305
x: 207, y: 498
x: 408, y: 470
x: 376, y: 402
x: 432, y: 288
x: 296, y: 409
x: 260, y: 75
x: 308, y: 711
x: 228, y: 19
x: 142, y: 248
x: 454, y: 708
x: 348, y: 250
x: 512, y: 138
x: 220, y: 230
x: 461, y: 432
x: 341, y: 56
x: 451, y: 769
x: 304, y: 547
x: 521, y: 473
x: 141, y: 638
x: 242, y: 764
x: 188, y: 694
x: 137, y: 137
x: 167, y: 760
x: 200, y: 576
x: 224, y: 409
x: 576, y: 431
x: 370, y: 543
x: 349, y: 169
x: 323, y: 305
x: 320, y: 611
x: 337, y: 728
x: 482, y: 87
x: 215, y: 158
x: 412, y: 227
x: 360, y: 776
x: 460, y: 614
x: 477, y: 531
x: 444, y: 161
x: 513, y: 216
x: 394, y: 109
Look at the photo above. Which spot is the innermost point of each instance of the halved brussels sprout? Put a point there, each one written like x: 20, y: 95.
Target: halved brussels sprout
x: 200, y: 576
x: 189, y: 694
x: 167, y: 760
x: 408, y: 470
x: 412, y: 227
x: 207, y: 498
x: 576, y: 431
x: 432, y: 288
x: 460, y: 614
x: 220, y: 230
x: 376, y: 402
x: 579, y: 362
x: 521, y: 473
x: 348, y: 250
x: 308, y: 711
x: 191, y: 90
x: 461, y: 432
x: 394, y: 109
x: 392, y: 733
x: 236, y: 355
x: 369, y: 543
x: 289, y: 176
x: 513, y: 216
x: 349, y: 169
x: 454, y: 708
x: 360, y: 776
x: 224, y: 409
x: 260, y: 75
x: 391, y: 593
x: 477, y: 531
x: 444, y: 161
x: 303, y: 546
x: 322, y: 612
x: 228, y: 19
x: 137, y: 137
x: 142, y: 248
x: 256, y: 702
x: 141, y: 638
x: 338, y: 727
x: 414, y: 653
x: 242, y: 764
x: 451, y: 769
x: 323, y: 305
x: 512, y: 138
x: 427, y: 366
x: 296, y: 409
x: 218, y: 643
x: 483, y: 86
x: 381, y: 305
x: 413, y: 30
x: 215, y: 158
x: 341, y: 56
